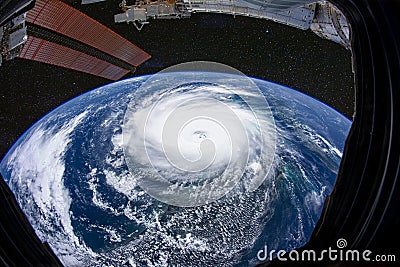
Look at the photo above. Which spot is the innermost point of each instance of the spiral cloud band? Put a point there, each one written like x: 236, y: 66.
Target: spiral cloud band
x: 192, y: 136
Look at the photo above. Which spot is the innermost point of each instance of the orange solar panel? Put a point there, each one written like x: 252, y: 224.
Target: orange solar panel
x: 51, y: 53
x: 60, y: 17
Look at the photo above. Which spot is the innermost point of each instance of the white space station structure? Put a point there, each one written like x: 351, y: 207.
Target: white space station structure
x: 321, y: 17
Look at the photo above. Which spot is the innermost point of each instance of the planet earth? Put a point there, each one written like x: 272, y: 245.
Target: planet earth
x: 225, y: 186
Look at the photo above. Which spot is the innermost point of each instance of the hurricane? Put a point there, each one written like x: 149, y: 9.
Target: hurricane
x: 190, y: 140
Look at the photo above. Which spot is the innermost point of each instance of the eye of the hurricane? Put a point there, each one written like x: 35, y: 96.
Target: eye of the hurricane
x: 195, y: 145
x: 199, y: 136
x: 194, y: 136
x: 189, y: 138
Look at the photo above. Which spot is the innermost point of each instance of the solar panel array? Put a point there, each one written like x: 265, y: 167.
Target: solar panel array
x: 51, y: 53
x: 65, y: 20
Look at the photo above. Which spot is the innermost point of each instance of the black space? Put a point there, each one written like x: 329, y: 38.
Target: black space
x: 256, y: 47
